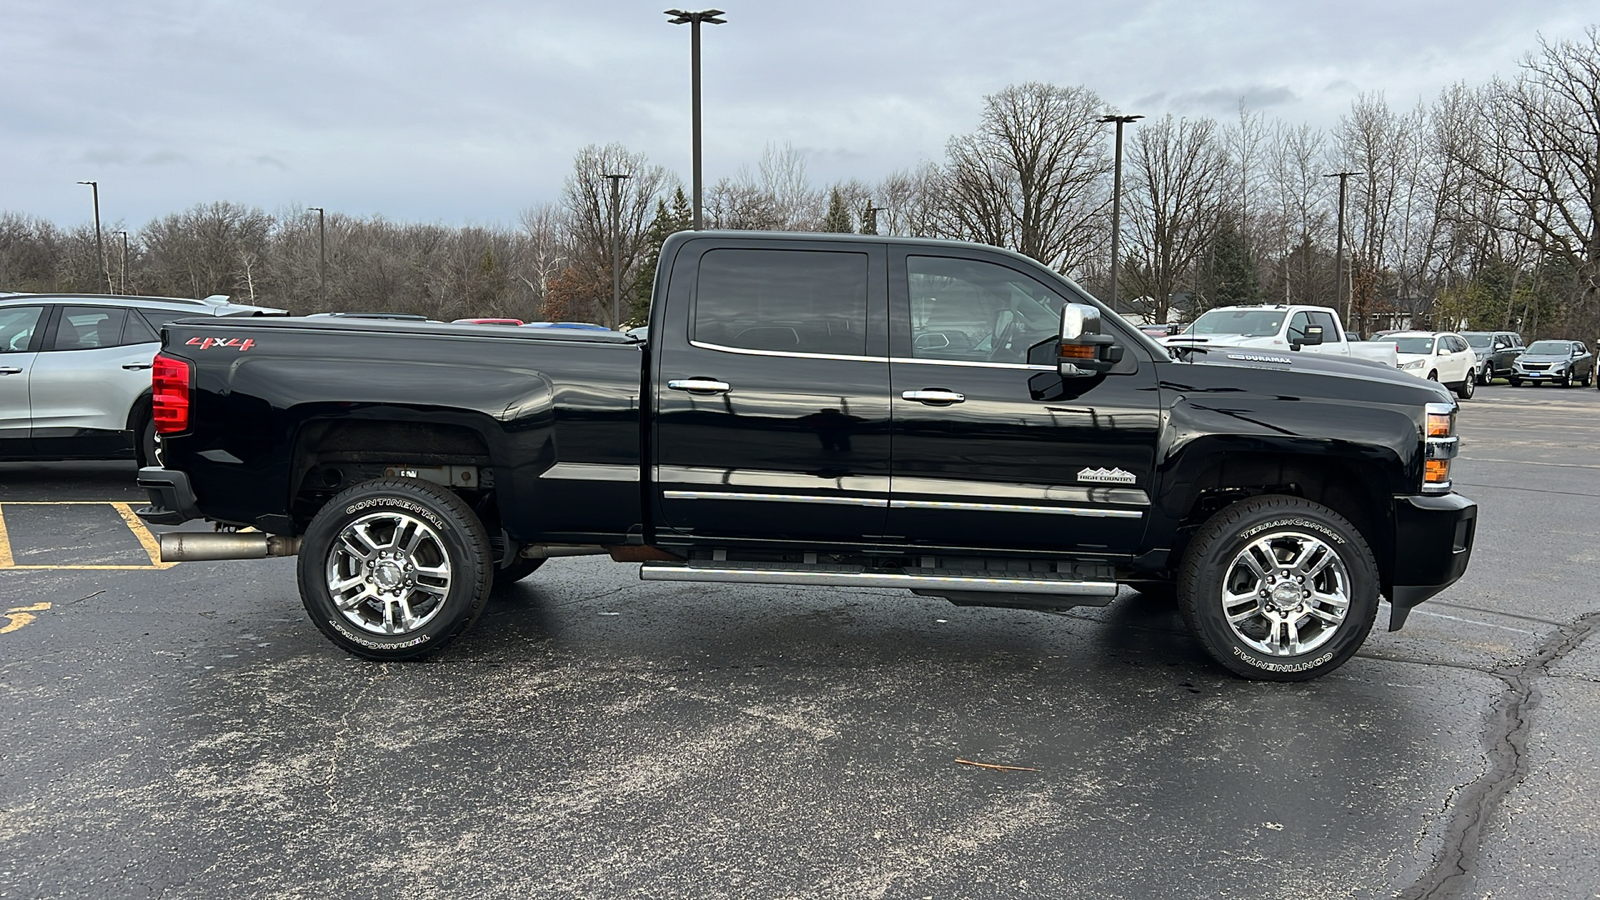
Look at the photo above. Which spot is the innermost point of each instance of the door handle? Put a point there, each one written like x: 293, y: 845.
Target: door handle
x: 136, y: 367
x: 934, y: 395
x: 10, y: 370
x: 699, y: 385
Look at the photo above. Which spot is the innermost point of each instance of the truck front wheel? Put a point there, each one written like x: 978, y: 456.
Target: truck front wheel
x: 1279, y: 588
x: 395, y: 568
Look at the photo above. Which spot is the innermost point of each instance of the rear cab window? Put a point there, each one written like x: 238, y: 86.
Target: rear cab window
x: 803, y: 302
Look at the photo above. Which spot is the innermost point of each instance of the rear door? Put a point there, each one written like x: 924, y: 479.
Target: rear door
x: 20, y: 333
x: 94, y: 365
x: 992, y: 447
x: 772, y: 392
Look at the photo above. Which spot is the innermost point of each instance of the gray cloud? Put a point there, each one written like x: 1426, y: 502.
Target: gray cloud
x: 470, y: 112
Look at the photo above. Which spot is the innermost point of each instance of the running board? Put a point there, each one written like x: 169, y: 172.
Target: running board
x: 933, y: 583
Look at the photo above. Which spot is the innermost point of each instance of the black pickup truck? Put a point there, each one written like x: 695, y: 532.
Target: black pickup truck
x: 820, y: 410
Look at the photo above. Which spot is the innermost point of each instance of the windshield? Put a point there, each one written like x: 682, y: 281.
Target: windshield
x: 1243, y: 322
x: 1423, y: 345
x: 1550, y: 348
x: 1478, y: 341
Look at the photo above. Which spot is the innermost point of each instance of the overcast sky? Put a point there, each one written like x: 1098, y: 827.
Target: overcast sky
x: 469, y: 112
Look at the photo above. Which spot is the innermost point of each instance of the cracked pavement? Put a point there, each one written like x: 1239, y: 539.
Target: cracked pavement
x: 187, y: 733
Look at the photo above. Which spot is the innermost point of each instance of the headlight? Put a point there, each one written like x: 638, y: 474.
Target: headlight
x: 1441, y: 445
x: 1414, y: 364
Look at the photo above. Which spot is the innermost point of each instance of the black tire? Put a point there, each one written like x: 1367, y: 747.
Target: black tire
x: 1468, y: 387
x: 426, y: 556
x: 517, y: 571
x: 1515, y: 381
x: 1433, y: 376
x: 1228, y: 558
x: 1566, y: 380
x: 1588, y: 378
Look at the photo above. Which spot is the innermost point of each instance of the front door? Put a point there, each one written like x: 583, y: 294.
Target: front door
x: 772, y: 392
x: 992, y: 447
x: 19, y: 335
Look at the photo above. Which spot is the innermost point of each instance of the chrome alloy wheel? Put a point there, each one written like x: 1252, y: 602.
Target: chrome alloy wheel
x: 388, y: 573
x: 1286, y: 593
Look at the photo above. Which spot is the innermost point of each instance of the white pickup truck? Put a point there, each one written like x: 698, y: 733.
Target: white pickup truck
x: 1311, y: 329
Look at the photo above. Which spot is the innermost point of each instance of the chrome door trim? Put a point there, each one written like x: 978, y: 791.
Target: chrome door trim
x: 986, y: 491
x: 969, y: 364
x: 794, y: 482
x: 748, y: 352
x: 817, y: 499
x: 1091, y: 513
x: 571, y: 471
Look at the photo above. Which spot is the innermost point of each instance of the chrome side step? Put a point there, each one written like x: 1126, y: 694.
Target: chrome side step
x: 935, y: 583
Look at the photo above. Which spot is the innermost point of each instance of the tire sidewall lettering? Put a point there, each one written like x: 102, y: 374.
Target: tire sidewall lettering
x: 396, y: 503
x: 1292, y: 522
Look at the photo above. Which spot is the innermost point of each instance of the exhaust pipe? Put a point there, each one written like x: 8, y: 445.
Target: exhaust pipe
x: 189, y: 546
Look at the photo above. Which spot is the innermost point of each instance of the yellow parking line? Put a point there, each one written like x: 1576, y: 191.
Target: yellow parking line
x: 19, y: 616
x: 147, y: 541
x: 152, y: 548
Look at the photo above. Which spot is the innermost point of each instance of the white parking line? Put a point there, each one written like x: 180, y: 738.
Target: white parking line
x: 1424, y: 612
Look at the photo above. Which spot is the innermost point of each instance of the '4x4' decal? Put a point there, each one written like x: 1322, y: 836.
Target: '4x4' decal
x: 208, y: 343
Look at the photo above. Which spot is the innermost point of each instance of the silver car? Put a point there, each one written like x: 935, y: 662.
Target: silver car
x: 75, y: 371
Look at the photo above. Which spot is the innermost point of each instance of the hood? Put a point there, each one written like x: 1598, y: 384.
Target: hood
x: 1292, y: 361
x: 1413, y: 357
x: 1543, y: 357
x: 1225, y: 340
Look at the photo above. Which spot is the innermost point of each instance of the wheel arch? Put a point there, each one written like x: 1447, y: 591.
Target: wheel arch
x: 1355, y: 486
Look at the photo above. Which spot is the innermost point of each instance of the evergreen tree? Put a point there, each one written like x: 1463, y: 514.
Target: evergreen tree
x: 667, y: 222
x: 838, y: 218
x: 1227, y: 275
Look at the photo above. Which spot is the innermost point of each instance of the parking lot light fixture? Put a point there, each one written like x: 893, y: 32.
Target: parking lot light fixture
x: 616, y: 249
x: 1116, y: 203
x: 124, y: 261
x: 693, y: 20
x: 322, y: 252
x: 99, y: 240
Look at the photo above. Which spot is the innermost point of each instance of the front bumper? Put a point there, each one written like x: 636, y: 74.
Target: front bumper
x: 1432, y: 545
x: 172, y: 500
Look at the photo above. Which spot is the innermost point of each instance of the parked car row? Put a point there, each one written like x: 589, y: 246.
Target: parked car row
x: 75, y: 371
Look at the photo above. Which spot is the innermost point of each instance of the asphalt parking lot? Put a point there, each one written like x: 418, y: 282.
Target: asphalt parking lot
x: 183, y: 731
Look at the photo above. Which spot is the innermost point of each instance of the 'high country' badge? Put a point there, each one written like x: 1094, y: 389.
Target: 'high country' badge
x: 1107, y: 476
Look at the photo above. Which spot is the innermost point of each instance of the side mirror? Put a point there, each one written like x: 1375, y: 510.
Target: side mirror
x: 1313, y: 336
x: 1083, y: 351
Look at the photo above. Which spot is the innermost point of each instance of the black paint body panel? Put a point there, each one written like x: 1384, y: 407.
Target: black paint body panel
x: 586, y: 442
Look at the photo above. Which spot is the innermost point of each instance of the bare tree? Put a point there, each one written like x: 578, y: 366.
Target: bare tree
x: 1303, y: 214
x: 908, y: 202
x: 1544, y: 162
x: 1179, y: 172
x: 588, y: 202
x: 1033, y: 177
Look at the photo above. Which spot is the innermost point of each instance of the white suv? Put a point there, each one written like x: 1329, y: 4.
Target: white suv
x: 1442, y: 356
x: 75, y: 371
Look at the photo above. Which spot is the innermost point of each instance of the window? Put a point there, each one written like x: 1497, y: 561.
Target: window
x: 963, y: 309
x: 137, y: 331
x: 1330, y: 331
x: 17, y: 324
x: 795, y: 301
x: 89, y: 327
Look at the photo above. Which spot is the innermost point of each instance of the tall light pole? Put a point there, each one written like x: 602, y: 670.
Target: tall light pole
x: 124, y: 261
x: 1116, y: 204
x: 1341, y: 297
x: 99, y: 240
x: 616, y: 249
x: 869, y: 218
x: 322, y: 252
x: 693, y: 20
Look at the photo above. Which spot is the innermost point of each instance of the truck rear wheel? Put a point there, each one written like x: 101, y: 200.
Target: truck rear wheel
x: 395, y: 568
x: 1279, y: 588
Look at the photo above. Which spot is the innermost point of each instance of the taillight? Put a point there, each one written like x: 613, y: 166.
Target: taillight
x: 169, y: 382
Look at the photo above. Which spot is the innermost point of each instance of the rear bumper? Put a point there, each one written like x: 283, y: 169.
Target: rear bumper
x: 1432, y: 545
x: 172, y: 500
